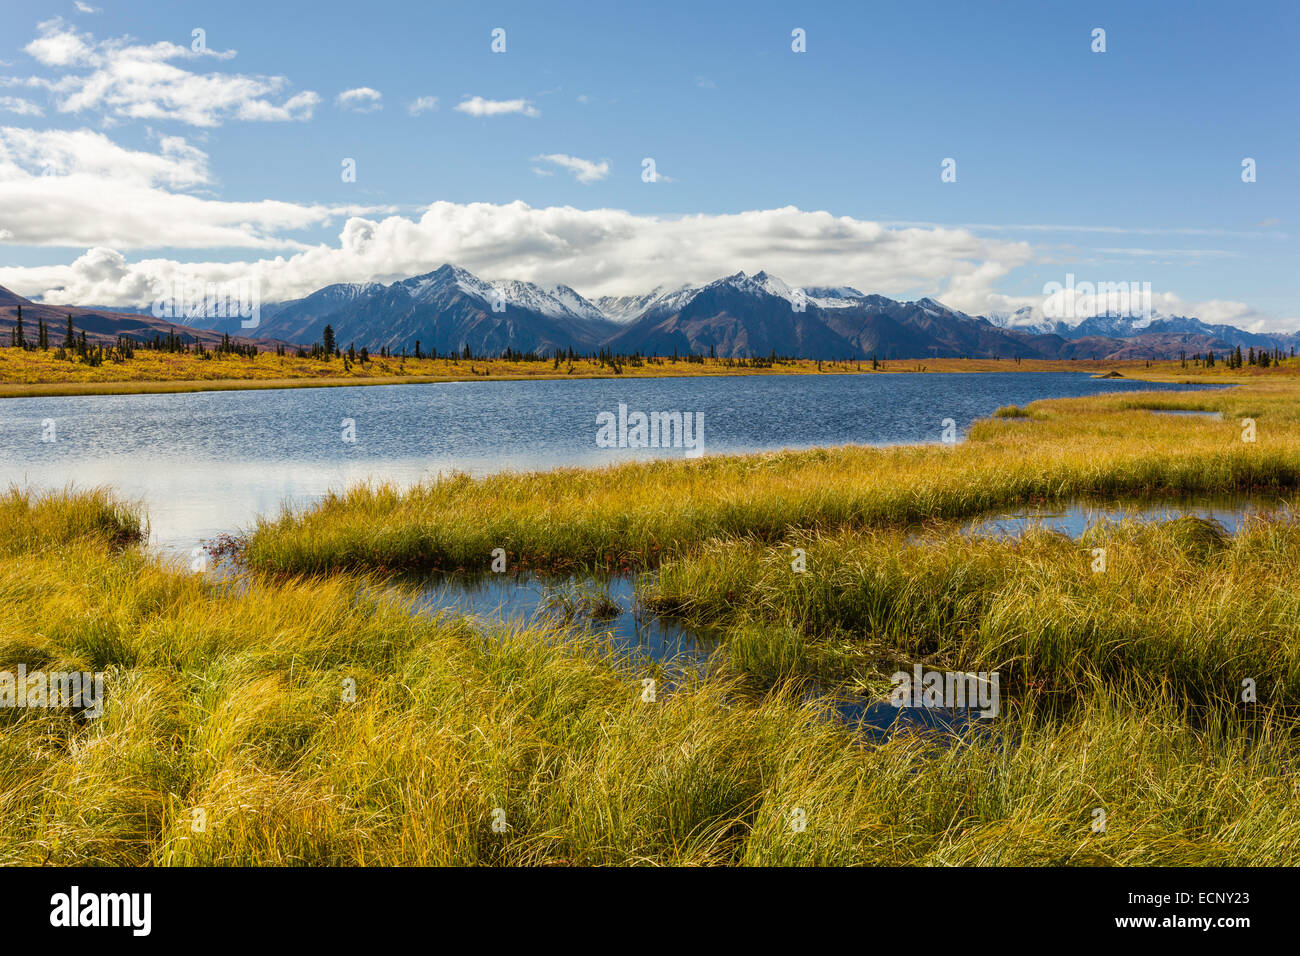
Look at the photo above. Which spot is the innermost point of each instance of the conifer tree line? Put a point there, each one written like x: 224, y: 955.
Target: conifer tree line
x: 76, y: 347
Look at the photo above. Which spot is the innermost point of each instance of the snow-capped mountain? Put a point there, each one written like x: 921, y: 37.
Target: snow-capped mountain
x: 448, y: 309
x: 628, y: 308
x: 737, y: 315
x: 1026, y: 319
x: 1110, y: 326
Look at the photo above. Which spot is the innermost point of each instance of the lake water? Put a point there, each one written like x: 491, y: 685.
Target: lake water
x: 1075, y: 517
x: 526, y: 599
x: 210, y: 462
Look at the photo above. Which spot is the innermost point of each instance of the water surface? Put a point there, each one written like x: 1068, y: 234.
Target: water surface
x: 204, y: 463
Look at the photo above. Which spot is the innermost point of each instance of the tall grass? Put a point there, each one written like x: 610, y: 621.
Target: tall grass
x: 230, y: 699
x: 632, y: 515
x: 1180, y: 598
x: 33, y: 521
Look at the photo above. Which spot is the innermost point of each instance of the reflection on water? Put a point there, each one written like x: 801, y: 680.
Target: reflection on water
x: 1187, y: 413
x: 528, y: 598
x: 205, y: 463
x: 1077, y: 516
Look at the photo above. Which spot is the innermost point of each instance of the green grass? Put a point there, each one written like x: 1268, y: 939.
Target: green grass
x: 230, y: 699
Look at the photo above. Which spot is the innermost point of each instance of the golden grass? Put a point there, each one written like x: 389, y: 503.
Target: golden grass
x: 632, y: 515
x: 34, y: 373
x: 229, y: 699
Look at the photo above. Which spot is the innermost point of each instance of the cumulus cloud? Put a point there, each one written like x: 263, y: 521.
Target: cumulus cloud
x: 423, y: 104
x: 79, y: 188
x: 363, y: 99
x: 598, y: 251
x: 85, y: 7
x: 584, y: 170
x: 974, y: 293
x: 122, y: 79
x: 478, y: 106
x: 16, y: 104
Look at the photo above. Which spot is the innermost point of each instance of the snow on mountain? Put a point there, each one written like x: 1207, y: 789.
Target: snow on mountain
x: 738, y: 314
x: 832, y: 292
x: 556, y: 302
x: 571, y: 302
x: 1026, y: 319
x: 628, y: 308
x: 833, y: 297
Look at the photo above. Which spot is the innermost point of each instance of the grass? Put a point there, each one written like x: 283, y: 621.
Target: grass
x: 233, y: 699
x: 632, y: 516
x: 305, y: 716
x: 34, y: 373
x: 47, y: 521
x: 1181, y: 599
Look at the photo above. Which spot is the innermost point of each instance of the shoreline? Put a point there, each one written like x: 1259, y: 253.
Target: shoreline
x: 1097, y: 370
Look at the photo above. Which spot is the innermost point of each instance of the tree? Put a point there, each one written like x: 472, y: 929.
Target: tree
x: 327, y: 340
x: 70, y: 338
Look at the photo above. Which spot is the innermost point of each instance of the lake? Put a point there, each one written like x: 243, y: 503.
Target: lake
x: 204, y: 463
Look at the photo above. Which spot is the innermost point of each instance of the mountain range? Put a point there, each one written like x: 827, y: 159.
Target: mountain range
x: 103, y: 326
x: 739, y: 315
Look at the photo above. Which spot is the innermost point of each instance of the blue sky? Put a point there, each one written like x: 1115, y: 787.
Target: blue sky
x: 1115, y: 166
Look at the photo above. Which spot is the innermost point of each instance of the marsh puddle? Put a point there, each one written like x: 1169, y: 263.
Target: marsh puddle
x: 1077, y: 516
x: 1187, y: 413
x: 607, y: 606
x: 880, y: 720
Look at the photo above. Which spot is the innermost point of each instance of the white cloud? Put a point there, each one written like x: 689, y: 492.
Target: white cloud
x: 125, y: 80
x: 423, y: 104
x: 79, y: 188
x: 584, y: 170
x: 360, y: 100
x: 85, y: 7
x: 974, y: 294
x: 16, y: 104
x: 598, y: 251
x: 478, y: 106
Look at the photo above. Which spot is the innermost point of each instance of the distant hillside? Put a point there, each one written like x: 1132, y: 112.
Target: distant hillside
x: 102, y: 327
x: 450, y: 309
x: 447, y: 309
